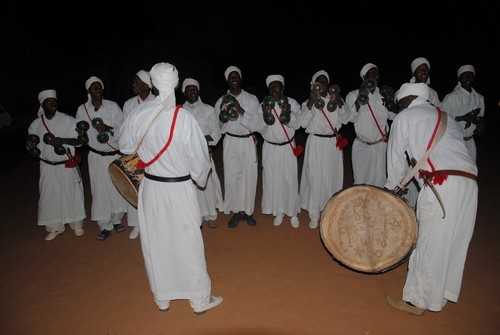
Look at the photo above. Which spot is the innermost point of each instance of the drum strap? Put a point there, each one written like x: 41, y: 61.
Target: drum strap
x: 341, y: 141
x: 382, y: 133
x: 143, y: 165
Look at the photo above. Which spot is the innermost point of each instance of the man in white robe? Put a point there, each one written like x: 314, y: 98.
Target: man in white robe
x: 420, y: 69
x: 463, y: 103
x: 61, y: 198
x: 141, y: 87
x: 239, y: 151
x: 370, y: 123
x: 173, y: 152
x: 437, y: 262
x: 108, y: 206
x: 209, y: 198
x: 279, y: 118
x: 323, y: 169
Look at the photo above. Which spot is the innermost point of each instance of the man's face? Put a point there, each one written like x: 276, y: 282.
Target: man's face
x: 234, y: 80
x: 323, y: 84
x: 421, y: 73
x: 404, y: 102
x: 373, y: 74
x: 467, y: 79
x: 191, y: 93
x: 139, y: 87
x: 276, y: 90
x: 49, y: 106
x: 96, y: 91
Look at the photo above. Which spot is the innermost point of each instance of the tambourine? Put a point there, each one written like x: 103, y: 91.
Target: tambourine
x: 82, y: 127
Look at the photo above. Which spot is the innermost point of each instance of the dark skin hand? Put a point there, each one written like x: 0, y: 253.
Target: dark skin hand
x: 49, y: 106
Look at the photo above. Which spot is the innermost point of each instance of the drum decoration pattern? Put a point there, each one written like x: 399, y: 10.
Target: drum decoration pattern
x: 368, y: 229
x: 127, y: 177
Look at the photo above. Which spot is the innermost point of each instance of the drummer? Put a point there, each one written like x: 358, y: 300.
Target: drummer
x: 209, y: 198
x: 61, y: 191
x: 141, y: 86
x: 446, y: 223
x: 105, y: 117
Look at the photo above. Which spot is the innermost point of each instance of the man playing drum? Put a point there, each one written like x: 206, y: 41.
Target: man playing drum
x: 209, y: 198
x: 141, y: 87
x: 447, y: 202
x: 174, y: 153
x: 51, y: 139
x: 105, y: 118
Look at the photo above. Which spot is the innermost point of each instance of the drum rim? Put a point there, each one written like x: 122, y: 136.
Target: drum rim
x: 382, y: 267
x: 115, y: 167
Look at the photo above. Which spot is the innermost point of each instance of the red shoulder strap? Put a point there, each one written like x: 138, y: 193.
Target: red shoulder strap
x: 143, y: 165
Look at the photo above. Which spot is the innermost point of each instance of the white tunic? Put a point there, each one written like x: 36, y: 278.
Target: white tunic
x: 169, y: 215
x: 210, y: 198
x: 105, y: 198
x: 460, y: 102
x: 280, y: 189
x: 323, y: 169
x: 436, y: 264
x: 128, y: 108
x: 369, y: 161
x: 240, y: 156
x: 61, y: 191
x: 433, y: 97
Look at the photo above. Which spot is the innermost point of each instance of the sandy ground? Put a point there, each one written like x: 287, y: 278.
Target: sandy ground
x: 275, y: 280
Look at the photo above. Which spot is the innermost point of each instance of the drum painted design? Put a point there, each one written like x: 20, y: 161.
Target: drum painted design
x: 126, y: 177
x: 368, y: 229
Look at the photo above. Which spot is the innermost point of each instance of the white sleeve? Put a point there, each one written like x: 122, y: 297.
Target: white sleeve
x: 350, y: 106
x: 197, y: 150
x: 214, y: 126
x: 250, y: 118
x: 127, y: 141
x: 396, y: 147
x: 306, y: 115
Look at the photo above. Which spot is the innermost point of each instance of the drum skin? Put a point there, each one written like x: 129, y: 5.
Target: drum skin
x: 368, y: 229
x: 126, y: 177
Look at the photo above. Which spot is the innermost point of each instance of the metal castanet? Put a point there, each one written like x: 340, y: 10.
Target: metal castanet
x: 368, y: 229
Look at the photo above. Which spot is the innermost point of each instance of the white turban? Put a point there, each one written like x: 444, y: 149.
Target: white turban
x: 418, y: 89
x: 364, y: 70
x: 45, y: 94
x: 320, y: 73
x: 275, y: 77
x: 465, y: 68
x: 92, y: 80
x: 230, y: 69
x: 144, y: 77
x: 190, y: 82
x: 165, y: 78
x: 415, y: 64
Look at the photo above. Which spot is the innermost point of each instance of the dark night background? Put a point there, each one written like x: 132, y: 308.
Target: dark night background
x: 60, y: 45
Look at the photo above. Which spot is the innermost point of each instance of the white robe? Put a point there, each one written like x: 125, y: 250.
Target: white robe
x: 240, y: 156
x: 323, y: 169
x: 436, y: 264
x: 460, y: 102
x: 106, y: 201
x: 368, y: 161
x: 128, y: 108
x: 209, y: 198
x: 61, y: 191
x: 169, y: 215
x: 280, y: 189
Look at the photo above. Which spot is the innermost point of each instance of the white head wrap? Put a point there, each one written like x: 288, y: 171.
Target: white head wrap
x: 364, y: 70
x: 275, y: 77
x: 92, y: 80
x: 144, y: 77
x: 230, y: 69
x: 165, y: 78
x: 415, y: 64
x: 465, y: 68
x: 320, y: 73
x: 45, y: 94
x: 190, y: 82
x: 418, y: 89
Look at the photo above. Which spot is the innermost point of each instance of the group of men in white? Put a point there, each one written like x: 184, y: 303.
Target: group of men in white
x: 181, y: 189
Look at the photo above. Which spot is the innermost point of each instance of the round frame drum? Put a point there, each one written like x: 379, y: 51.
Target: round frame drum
x: 368, y: 229
x: 126, y: 177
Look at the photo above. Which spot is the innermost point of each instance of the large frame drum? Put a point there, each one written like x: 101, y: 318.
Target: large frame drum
x: 126, y: 177
x: 368, y: 229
